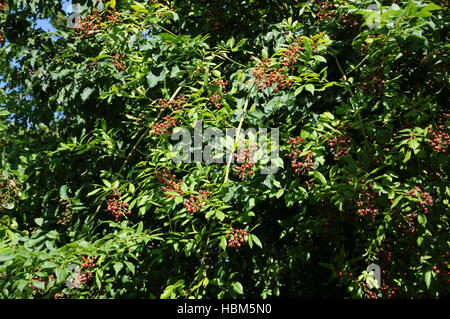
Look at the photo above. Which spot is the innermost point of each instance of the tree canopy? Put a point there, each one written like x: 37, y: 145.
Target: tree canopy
x: 92, y: 204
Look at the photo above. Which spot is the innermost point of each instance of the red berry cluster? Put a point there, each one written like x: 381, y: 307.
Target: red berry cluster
x: 441, y: 268
x: 170, y: 184
x: 411, y: 225
x: 245, y: 160
x: 266, y: 77
x: 214, y: 100
x: 425, y: 198
x: 67, y: 213
x: 291, y: 56
x: 236, y: 237
x: 118, y: 62
x: 176, y: 104
x: 1, y: 39
x: 116, y: 206
x: 195, y: 202
x: 373, y: 82
x: 222, y: 85
x: 9, y: 191
x: 301, y: 163
x: 93, y: 23
x: 377, y: 42
x: 85, y: 273
x: 3, y: 5
x: 339, y: 144
x: 216, y: 96
x: 163, y: 127
x: 440, y: 139
x: 344, y: 276
x: 366, y: 200
x: 213, y: 15
x: 390, y: 291
x: 88, y: 262
x: 352, y: 20
x: 324, y: 9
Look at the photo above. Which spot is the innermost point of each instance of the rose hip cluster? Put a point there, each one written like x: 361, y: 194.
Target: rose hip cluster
x: 266, y: 77
x: 94, y: 23
x: 195, y: 202
x: 118, y: 62
x: 216, y: 96
x: 439, y: 139
x: 9, y: 191
x: 163, y: 127
x: 66, y: 214
x: 366, y: 200
x: 169, y: 183
x: 176, y: 104
x: 236, y: 237
x: 425, y: 198
x: 115, y: 205
x: 245, y: 166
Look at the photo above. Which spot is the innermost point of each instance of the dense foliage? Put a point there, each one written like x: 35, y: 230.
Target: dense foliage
x: 87, y: 182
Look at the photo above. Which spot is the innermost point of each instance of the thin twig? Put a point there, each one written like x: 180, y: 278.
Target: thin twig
x: 230, y: 158
x: 146, y: 132
x: 352, y: 95
x: 136, y: 145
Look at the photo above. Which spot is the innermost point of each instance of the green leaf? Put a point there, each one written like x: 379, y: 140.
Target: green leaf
x: 61, y: 274
x: 39, y: 284
x: 309, y: 88
x: 167, y: 293
x: 428, y: 278
x: 113, y: 4
x: 117, y: 266
x: 320, y: 177
x: 223, y: 243
x: 407, y: 156
x: 130, y: 266
x: 86, y: 93
x: 63, y: 192
x: 220, y: 215
x: 396, y: 201
x: 39, y: 221
x: 237, y: 287
x: 419, y: 241
x: 422, y: 219
x: 256, y: 240
x: 131, y: 188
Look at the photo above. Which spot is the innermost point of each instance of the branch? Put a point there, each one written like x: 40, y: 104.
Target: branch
x: 146, y: 132
x: 352, y: 95
x: 227, y: 170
